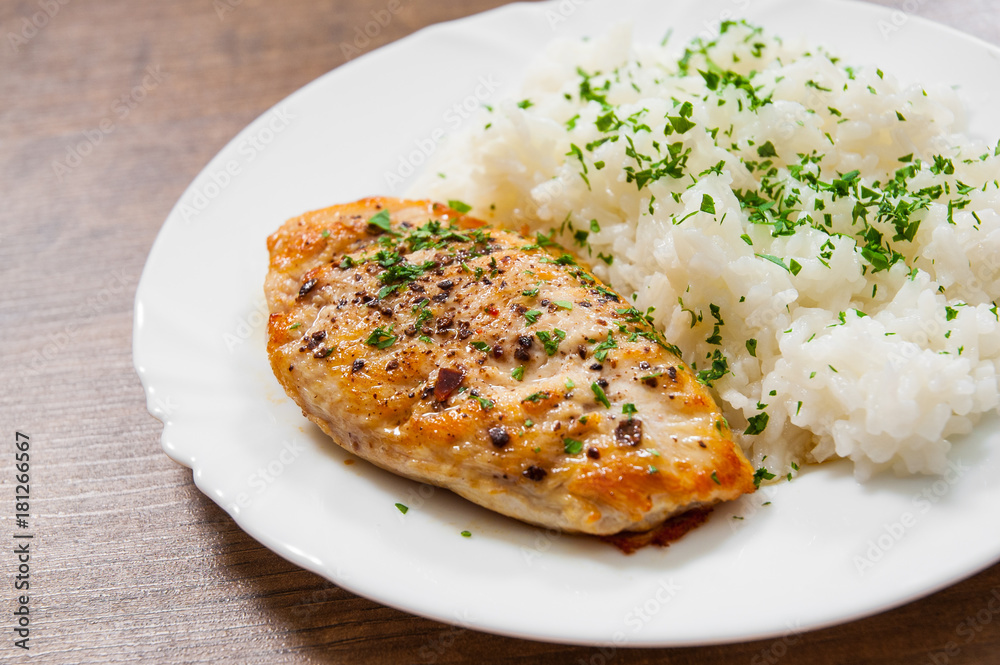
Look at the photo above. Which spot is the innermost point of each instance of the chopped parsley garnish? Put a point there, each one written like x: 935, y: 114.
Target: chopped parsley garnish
x: 630, y: 410
x: 380, y: 220
x: 719, y: 368
x: 551, y: 340
x: 563, y: 304
x: 532, y: 315
x: 426, y: 339
x: 530, y: 293
x: 760, y: 475
x: 481, y: 346
x: 601, y: 350
x: 775, y: 260
x: 459, y: 206
x: 600, y: 395
x: 752, y: 347
x: 423, y: 314
x: 572, y: 446
x: 767, y: 150
x: 715, y: 478
x: 381, y: 338
x: 398, y: 272
x: 403, y: 509
x: 466, y: 534
x: 757, y: 423
x: 517, y: 373
x: 484, y: 404
x: 536, y: 397
x: 707, y: 204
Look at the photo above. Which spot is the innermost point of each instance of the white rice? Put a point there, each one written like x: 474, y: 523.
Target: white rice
x: 882, y: 379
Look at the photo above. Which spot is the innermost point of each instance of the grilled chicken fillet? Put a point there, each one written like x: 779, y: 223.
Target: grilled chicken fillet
x: 493, y: 365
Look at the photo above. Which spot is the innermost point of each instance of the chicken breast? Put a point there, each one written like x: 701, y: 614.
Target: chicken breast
x: 493, y: 365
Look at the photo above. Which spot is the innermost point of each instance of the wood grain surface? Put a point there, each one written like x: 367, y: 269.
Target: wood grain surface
x: 131, y: 563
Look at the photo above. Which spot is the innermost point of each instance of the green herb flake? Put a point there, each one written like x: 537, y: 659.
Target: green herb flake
x: 326, y: 233
x: 760, y: 475
x: 403, y: 509
x: 757, y: 424
x: 572, y: 446
x: 294, y: 326
x: 707, y: 204
x: 715, y: 478
x: 570, y: 384
x: 466, y: 534
x: 380, y: 220
x: 550, y: 340
x: 630, y: 410
x: 459, y: 206
x: 381, y: 338
x: 752, y: 347
x: 775, y: 260
x: 426, y: 339
x: 530, y: 293
x: 563, y: 304
x: 484, y: 404
x: 601, y: 350
x: 600, y: 395
x: 719, y: 368
x: 767, y: 150
x: 532, y: 315
x: 536, y: 397
x: 481, y: 346
x: 517, y: 373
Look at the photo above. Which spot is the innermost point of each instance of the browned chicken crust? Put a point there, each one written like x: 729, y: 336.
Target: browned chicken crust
x: 493, y: 365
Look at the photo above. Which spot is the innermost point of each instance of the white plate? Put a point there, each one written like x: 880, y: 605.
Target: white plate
x: 826, y: 550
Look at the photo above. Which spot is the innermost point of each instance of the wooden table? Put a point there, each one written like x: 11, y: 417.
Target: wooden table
x: 131, y: 563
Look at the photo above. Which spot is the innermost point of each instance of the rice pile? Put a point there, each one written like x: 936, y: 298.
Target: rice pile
x: 816, y: 238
